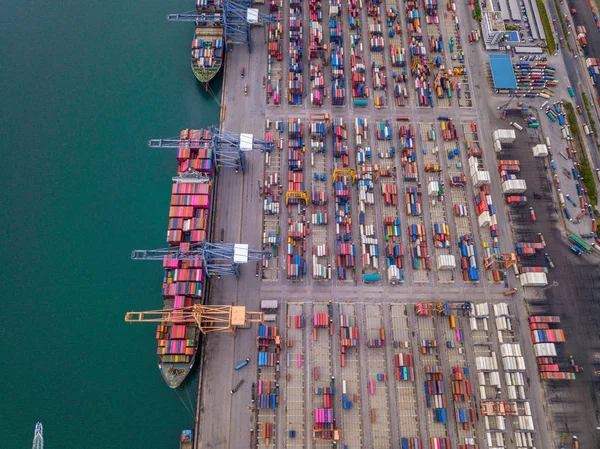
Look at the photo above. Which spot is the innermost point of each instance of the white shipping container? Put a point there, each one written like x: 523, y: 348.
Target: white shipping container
x: 482, y: 309
x: 533, y: 279
x: 484, y: 219
x: 514, y: 186
x: 504, y: 135
x: 481, y: 177
x: 433, y: 188
x: 540, y: 150
x: 497, y: 146
x: 473, y: 323
x: 544, y: 349
x: 482, y: 392
x: 446, y: 262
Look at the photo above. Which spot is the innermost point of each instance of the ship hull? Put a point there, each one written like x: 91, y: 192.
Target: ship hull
x: 175, y: 373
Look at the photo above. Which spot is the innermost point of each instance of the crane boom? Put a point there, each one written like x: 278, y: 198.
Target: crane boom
x: 208, y: 318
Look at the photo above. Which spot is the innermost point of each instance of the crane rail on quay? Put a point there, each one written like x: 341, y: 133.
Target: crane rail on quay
x: 228, y: 148
x: 237, y: 19
x: 220, y: 259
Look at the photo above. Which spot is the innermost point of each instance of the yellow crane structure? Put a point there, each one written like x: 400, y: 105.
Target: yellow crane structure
x: 509, y: 260
x: 209, y: 319
x: 344, y: 172
x: 296, y: 194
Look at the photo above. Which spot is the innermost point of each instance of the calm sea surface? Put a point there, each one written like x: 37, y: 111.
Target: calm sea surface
x: 84, y: 85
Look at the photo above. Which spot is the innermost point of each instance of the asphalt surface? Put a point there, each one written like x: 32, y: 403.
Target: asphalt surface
x: 572, y: 294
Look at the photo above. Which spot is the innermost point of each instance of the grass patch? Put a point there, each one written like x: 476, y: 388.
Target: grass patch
x: 585, y: 170
x: 588, y: 111
x: 477, y: 11
x: 563, y: 25
x: 511, y: 28
x: 550, y: 41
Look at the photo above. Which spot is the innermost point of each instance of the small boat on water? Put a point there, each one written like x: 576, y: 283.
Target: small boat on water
x: 187, y: 439
x: 38, y: 437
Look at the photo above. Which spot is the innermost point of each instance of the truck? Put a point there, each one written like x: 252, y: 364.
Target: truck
x: 571, y: 92
x: 577, y: 250
x: 516, y: 125
x: 548, y: 260
x: 237, y: 387
x: 240, y: 365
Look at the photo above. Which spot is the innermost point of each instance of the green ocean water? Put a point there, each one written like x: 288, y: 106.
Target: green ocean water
x: 84, y: 85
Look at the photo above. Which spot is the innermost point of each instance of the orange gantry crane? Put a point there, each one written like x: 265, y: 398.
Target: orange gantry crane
x: 509, y: 260
x: 209, y: 319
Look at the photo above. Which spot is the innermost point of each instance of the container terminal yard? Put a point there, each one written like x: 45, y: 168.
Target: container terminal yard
x: 424, y: 231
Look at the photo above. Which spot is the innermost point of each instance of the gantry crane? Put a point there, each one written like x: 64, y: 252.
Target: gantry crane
x: 220, y: 259
x: 344, y: 172
x: 209, y: 319
x: 237, y: 18
x: 227, y: 148
x: 509, y: 260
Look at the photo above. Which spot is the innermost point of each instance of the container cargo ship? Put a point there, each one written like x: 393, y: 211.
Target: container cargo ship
x: 208, y: 42
x: 184, y: 283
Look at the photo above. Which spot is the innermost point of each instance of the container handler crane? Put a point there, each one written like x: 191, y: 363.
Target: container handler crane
x: 509, y: 260
x: 209, y: 319
x: 236, y: 17
x: 227, y: 148
x: 220, y: 259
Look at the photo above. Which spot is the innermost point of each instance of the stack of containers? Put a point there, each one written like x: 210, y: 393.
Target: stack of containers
x: 468, y: 255
x: 418, y: 52
x: 341, y: 152
x: 366, y: 201
x: 418, y: 253
x: 338, y: 89
x: 435, y: 393
x: 410, y: 443
x: 267, y: 394
x: 297, y: 227
x: 348, y: 334
x: 394, y: 250
x: 206, y: 54
x: 295, y: 54
x: 345, y: 249
x: 357, y: 62
x: 428, y: 346
x: 275, y: 56
x: 345, y: 402
x: 408, y: 155
x: 423, y: 309
x: 461, y: 387
x: 318, y: 199
x: 316, y: 51
x: 593, y: 69
x: 404, y: 367
x: 189, y: 218
x: 412, y: 197
x: 441, y: 239
x: 431, y: 12
x: 449, y: 132
x: 528, y: 249
x: 195, y: 151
